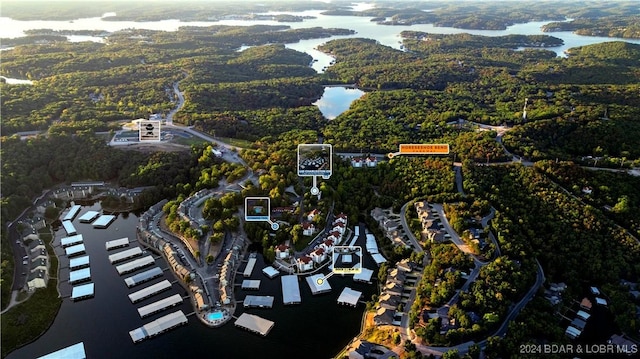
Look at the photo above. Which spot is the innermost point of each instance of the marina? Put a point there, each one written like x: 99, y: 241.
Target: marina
x: 349, y: 297
x: 316, y: 288
x: 149, y: 291
x: 117, y: 243
x: 364, y: 275
x: 251, y: 284
x: 89, y: 216
x: 73, y: 212
x: 258, y: 301
x: 270, y: 272
x: 158, y: 326
x: 143, y: 277
x: 290, y: 289
x: 79, y: 262
x: 160, y: 305
x: 254, y: 324
x: 134, y: 265
x: 71, y: 241
x: 124, y: 255
x: 75, y: 351
x: 82, y: 291
x: 81, y: 275
x: 76, y: 250
x: 104, y: 221
x: 69, y: 228
x: 249, y: 268
x: 378, y: 258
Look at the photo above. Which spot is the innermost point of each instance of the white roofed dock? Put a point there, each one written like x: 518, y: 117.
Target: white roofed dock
x: 160, y: 305
x: 143, y: 277
x: 79, y: 262
x: 290, y: 289
x: 73, y: 212
x: 135, y: 265
x: 104, y: 221
x: 124, y: 255
x: 158, y: 326
x: 149, y: 291
x: 71, y: 241
x: 117, y: 243
x: 89, y: 216
x: 254, y: 323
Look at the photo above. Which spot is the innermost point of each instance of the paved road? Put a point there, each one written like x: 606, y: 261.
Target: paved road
x: 403, y: 220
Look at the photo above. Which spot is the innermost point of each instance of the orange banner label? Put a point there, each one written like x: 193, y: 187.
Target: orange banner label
x: 424, y: 149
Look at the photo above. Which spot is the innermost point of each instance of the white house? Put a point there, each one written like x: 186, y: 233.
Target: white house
x: 341, y: 218
x: 356, y: 162
x: 371, y: 161
x: 339, y: 227
x: 308, y: 229
x: 282, y: 251
x: 304, y: 263
x: 318, y: 255
x: 335, y: 236
x: 327, y: 245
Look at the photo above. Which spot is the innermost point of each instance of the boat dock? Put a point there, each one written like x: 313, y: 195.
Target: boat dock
x: 158, y: 326
x: 149, y: 291
x: 143, y: 277
x: 249, y: 268
x: 258, y: 301
x: 160, y: 305
x: 75, y: 351
x: 89, y: 216
x: 251, y: 284
x: 71, y: 241
x: 135, y: 265
x: 117, y: 243
x: 349, y: 297
x: 364, y: 275
x: 124, y: 255
x: 104, y: 221
x: 270, y: 272
x: 316, y: 288
x: 254, y: 324
x: 79, y: 263
x: 82, y: 291
x: 73, y: 212
x: 69, y: 228
x: 81, y: 275
x: 76, y: 250
x: 290, y: 289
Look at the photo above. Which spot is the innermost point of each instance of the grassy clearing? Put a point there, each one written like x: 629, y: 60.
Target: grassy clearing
x: 235, y: 142
x: 188, y: 141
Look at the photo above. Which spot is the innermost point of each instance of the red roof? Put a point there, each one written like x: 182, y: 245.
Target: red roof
x: 339, y: 224
x: 307, y: 225
x: 342, y: 215
x: 335, y: 234
x: 305, y: 259
x: 282, y: 247
x: 319, y: 251
x: 328, y: 242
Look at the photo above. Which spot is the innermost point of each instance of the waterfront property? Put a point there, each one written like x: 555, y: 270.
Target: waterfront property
x: 149, y: 291
x: 89, y: 216
x: 270, y: 272
x: 318, y: 284
x: 73, y: 212
x: 124, y: 255
x: 250, y: 284
x: 258, y: 301
x: 80, y: 275
x: 76, y: 250
x: 290, y: 289
x: 143, y: 277
x: 135, y: 265
x: 254, y: 323
x: 69, y: 228
x: 349, y: 297
x: 160, y: 305
x: 158, y: 326
x: 79, y: 262
x: 117, y: 243
x: 82, y: 291
x: 75, y: 351
x: 71, y: 241
x: 104, y: 221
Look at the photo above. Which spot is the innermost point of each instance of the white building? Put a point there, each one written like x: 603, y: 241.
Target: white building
x: 319, y: 255
x: 304, y: 263
x: 308, y: 229
x: 282, y: 251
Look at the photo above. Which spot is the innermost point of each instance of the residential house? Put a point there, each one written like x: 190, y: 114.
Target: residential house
x: 339, y: 227
x: 282, y: 251
x: 304, y: 263
x: 312, y: 215
x: 356, y: 162
x: 371, y: 161
x: 327, y: 245
x: 308, y: 229
x: 319, y: 255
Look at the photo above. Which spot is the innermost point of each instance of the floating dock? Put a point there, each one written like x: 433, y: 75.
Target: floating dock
x: 71, y: 241
x: 104, y: 221
x: 249, y: 268
x: 160, y: 305
x: 75, y: 351
x: 135, y: 265
x: 258, y: 301
x: 89, y: 216
x: 372, y: 245
x: 76, y: 250
x: 270, y: 272
x: 364, y: 275
x: 69, y: 228
x: 349, y: 297
x: 290, y: 289
x: 82, y: 291
x: 124, y: 255
x: 117, y: 243
x: 378, y: 258
x: 149, y: 291
x: 316, y: 288
x: 81, y: 275
x: 158, y: 326
x: 143, y: 277
x: 251, y: 284
x: 79, y: 263
x: 73, y: 212
x: 254, y: 324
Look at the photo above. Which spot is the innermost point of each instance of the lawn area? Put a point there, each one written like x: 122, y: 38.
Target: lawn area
x: 302, y: 243
x: 235, y: 142
x: 188, y: 141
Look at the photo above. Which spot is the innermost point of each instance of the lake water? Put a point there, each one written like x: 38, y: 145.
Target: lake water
x: 336, y: 100
x: 319, y: 327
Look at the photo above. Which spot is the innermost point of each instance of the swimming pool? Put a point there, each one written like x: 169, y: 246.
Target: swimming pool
x: 214, y: 316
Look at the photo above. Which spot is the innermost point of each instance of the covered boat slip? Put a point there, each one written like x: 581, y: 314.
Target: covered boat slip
x: 158, y: 326
x: 82, y: 291
x: 149, y: 291
x: 143, y: 277
x: 318, y: 284
x: 251, y: 284
x: 69, y: 228
x: 75, y: 351
x: 76, y: 250
x: 249, y: 268
x: 79, y: 262
x: 89, y: 216
x: 258, y: 301
x: 71, y: 241
x: 160, y: 305
x: 104, y: 221
x: 270, y: 272
x: 73, y: 212
x: 135, y: 265
x: 80, y: 275
x: 124, y: 255
x: 364, y: 275
x: 117, y: 243
x: 349, y: 297
x: 254, y: 323
x: 290, y: 289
